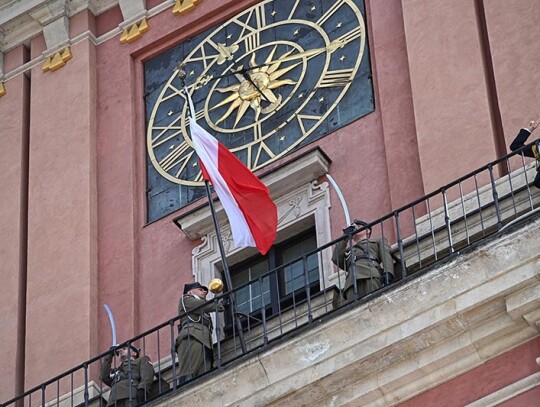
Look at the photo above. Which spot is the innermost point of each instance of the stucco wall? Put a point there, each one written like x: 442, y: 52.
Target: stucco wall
x: 88, y: 241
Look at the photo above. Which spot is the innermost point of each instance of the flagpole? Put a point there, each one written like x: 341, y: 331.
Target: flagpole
x: 226, y: 272
x: 182, y: 76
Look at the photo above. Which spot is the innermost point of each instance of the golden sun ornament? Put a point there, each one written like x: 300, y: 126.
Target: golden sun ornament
x: 257, y: 84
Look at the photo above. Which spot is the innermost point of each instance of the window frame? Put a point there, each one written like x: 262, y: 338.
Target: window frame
x: 279, y: 300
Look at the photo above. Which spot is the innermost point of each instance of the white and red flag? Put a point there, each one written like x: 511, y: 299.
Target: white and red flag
x: 246, y: 200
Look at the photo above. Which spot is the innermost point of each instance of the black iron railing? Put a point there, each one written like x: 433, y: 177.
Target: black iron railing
x: 437, y: 226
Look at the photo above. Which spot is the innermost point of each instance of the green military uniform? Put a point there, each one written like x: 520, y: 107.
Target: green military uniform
x: 371, y: 258
x: 142, y: 375
x: 194, y: 342
x: 532, y: 151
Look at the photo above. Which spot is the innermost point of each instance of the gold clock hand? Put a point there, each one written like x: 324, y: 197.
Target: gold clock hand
x: 334, y: 45
x: 225, y: 54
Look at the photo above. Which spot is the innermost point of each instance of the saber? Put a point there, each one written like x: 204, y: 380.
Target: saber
x: 113, y: 326
x: 341, y: 199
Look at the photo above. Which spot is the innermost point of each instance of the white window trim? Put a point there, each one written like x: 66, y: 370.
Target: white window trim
x: 298, y: 210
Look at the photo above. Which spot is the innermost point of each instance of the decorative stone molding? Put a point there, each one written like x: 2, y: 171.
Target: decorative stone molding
x: 21, y: 20
x: 132, y: 9
x: 508, y: 392
x: 56, y: 33
x: 298, y: 210
x: 525, y: 303
x: 298, y: 172
x: 184, y: 6
x: 134, y: 31
x: 135, y: 23
x: 55, y: 10
x: 57, y: 60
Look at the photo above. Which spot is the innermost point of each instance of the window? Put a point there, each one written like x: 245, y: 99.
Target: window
x: 279, y: 289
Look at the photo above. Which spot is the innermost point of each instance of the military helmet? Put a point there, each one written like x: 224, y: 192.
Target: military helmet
x: 133, y: 348
x: 191, y: 286
x: 361, y: 224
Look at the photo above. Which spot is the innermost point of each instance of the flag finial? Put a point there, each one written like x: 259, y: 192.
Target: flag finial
x: 181, y: 71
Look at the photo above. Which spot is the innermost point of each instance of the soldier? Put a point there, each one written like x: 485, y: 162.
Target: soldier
x: 194, y: 341
x: 373, y: 263
x: 142, y: 375
x: 531, y: 151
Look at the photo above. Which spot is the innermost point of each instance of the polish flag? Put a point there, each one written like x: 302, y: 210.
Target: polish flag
x: 251, y: 212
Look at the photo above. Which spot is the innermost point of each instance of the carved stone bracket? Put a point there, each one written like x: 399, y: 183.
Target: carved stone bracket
x: 135, y: 23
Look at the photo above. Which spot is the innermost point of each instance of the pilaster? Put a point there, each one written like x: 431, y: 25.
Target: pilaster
x: 62, y: 261
x: 13, y: 183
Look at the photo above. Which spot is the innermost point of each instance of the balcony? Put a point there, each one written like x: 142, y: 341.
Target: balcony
x: 466, y: 291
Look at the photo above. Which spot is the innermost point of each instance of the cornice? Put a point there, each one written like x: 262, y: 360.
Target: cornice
x: 22, y: 20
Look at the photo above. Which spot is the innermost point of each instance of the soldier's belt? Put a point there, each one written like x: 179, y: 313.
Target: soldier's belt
x: 368, y: 257
x: 121, y: 377
x: 190, y: 324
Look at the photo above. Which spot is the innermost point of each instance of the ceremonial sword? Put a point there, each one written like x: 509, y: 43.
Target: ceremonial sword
x: 113, y: 326
x: 341, y: 199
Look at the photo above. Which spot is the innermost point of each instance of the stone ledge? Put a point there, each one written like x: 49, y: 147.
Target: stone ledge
x: 508, y: 392
x: 400, y: 344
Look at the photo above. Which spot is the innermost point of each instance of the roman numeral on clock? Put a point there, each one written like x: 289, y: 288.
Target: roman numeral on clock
x: 175, y: 157
x: 338, y: 77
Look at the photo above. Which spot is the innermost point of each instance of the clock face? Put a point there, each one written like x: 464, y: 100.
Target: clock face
x: 278, y: 76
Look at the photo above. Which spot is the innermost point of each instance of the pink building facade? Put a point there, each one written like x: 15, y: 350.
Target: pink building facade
x: 452, y: 83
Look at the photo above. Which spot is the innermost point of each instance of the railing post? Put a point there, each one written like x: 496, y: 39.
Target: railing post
x: 173, y: 353
x: 43, y: 395
x: 400, y: 244
x: 263, y: 314
x: 86, y: 395
x: 71, y: 377
x: 353, y: 267
x: 160, y: 390
x: 447, y: 221
x: 308, y: 293
x: 495, y: 196
x: 130, y: 376
x: 218, y: 334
